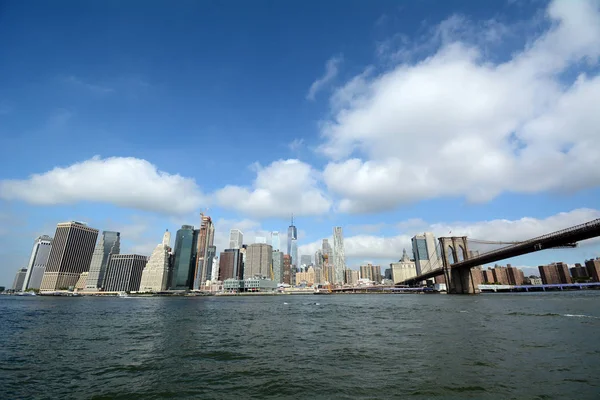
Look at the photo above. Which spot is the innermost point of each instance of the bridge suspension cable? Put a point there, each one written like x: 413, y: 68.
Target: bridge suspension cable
x: 481, y: 241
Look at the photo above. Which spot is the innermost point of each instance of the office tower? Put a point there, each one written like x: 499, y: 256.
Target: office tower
x: 37, y: 262
x: 425, y: 253
x: 214, y: 274
x: 326, y: 249
x: 294, y: 255
x: 19, y: 279
x: 305, y: 261
x: 109, y: 244
x: 291, y: 234
x: 205, y: 240
x: 211, y: 254
x: 260, y: 240
x: 156, y: 273
x: 231, y: 265
x: 70, y: 255
x: 185, y: 258
x: 259, y: 258
x: 329, y: 271
x: 593, y: 269
x: 319, y: 259
x: 339, y: 256
x: 277, y: 266
x: 287, y: 265
x: 236, y: 239
x: 275, y: 240
x: 124, y: 272
x: 404, y: 269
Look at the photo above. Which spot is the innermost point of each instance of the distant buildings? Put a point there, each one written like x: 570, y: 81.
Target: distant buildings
x: 109, y: 244
x: 294, y: 254
x: 259, y: 257
x: 156, y: 273
x: 19, y: 279
x: 292, y: 233
x: 124, y: 272
x: 184, y: 264
x: 236, y: 239
x: 403, y: 269
x: 327, y: 256
x: 305, y: 261
x: 37, y: 263
x: 70, y: 255
x: 425, y: 253
x: 339, y: 256
x: 307, y: 277
x: 204, y: 252
x: 287, y: 266
x: 508, y: 275
x: 351, y: 277
x: 593, y: 269
x: 371, y: 272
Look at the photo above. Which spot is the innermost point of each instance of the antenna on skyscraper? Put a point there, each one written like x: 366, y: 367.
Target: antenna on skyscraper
x: 292, y: 219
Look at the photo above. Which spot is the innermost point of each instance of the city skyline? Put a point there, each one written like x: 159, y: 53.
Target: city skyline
x: 400, y: 122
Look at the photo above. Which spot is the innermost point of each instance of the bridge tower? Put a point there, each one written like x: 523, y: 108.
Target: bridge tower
x: 458, y: 280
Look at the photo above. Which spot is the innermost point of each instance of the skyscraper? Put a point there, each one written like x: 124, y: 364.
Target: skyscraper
x: 425, y: 253
x: 109, y: 244
x: 19, y: 279
x: 185, y: 258
x: 214, y: 274
x: 292, y: 234
x: 236, y: 239
x: 277, y: 266
x: 294, y: 254
x: 231, y: 265
x: 124, y: 272
x: 37, y: 262
x: 70, y: 255
x: 319, y: 259
x: 339, y: 256
x: 287, y: 274
x: 275, y: 240
x: 259, y: 258
x: 156, y: 272
x: 205, y: 240
x: 305, y: 261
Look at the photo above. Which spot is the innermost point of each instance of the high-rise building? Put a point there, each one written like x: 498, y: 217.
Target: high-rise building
x: 156, y: 273
x: 19, y: 279
x: 70, y: 255
x: 80, y: 285
x: 425, y: 253
x: 124, y: 272
x: 287, y: 273
x: 319, y: 258
x: 260, y: 240
x: 37, y: 262
x: 370, y: 272
x: 214, y: 274
x: 231, y: 265
x: 500, y: 275
x: 109, y: 244
x: 236, y: 239
x: 305, y: 261
x: 579, y: 272
x: 593, y: 269
x: 204, y: 241
x: 307, y: 277
x: 211, y: 254
x: 339, y: 257
x: 555, y: 273
x: 275, y: 241
x: 185, y: 258
x: 292, y: 233
x: 277, y: 266
x: 376, y: 273
x: 403, y: 269
x: 515, y: 275
x: 259, y: 258
x: 294, y: 254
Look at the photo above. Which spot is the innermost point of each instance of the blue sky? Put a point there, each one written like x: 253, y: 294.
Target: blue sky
x: 387, y: 118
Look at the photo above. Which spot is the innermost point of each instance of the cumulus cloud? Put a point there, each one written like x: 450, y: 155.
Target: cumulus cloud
x: 365, y: 247
x: 457, y: 124
x: 331, y: 71
x: 123, y: 181
x: 280, y: 189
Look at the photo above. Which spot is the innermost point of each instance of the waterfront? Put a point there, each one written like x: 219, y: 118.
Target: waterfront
x: 536, y: 345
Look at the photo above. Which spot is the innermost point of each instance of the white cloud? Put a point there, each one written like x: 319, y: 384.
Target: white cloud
x: 296, y: 144
x: 364, y: 247
x: 280, y: 189
x: 94, y: 88
x: 331, y: 71
x: 457, y: 124
x: 126, y: 182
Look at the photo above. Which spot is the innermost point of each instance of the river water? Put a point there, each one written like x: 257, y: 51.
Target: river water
x: 491, y: 346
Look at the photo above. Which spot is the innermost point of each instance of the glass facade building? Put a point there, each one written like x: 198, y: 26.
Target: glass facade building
x: 185, y: 258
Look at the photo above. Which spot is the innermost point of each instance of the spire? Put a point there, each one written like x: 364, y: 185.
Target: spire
x: 292, y: 220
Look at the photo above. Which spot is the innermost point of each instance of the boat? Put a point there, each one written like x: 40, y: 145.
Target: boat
x: 122, y: 294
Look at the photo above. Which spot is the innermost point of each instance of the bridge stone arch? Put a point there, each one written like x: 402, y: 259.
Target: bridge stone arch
x: 458, y: 280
